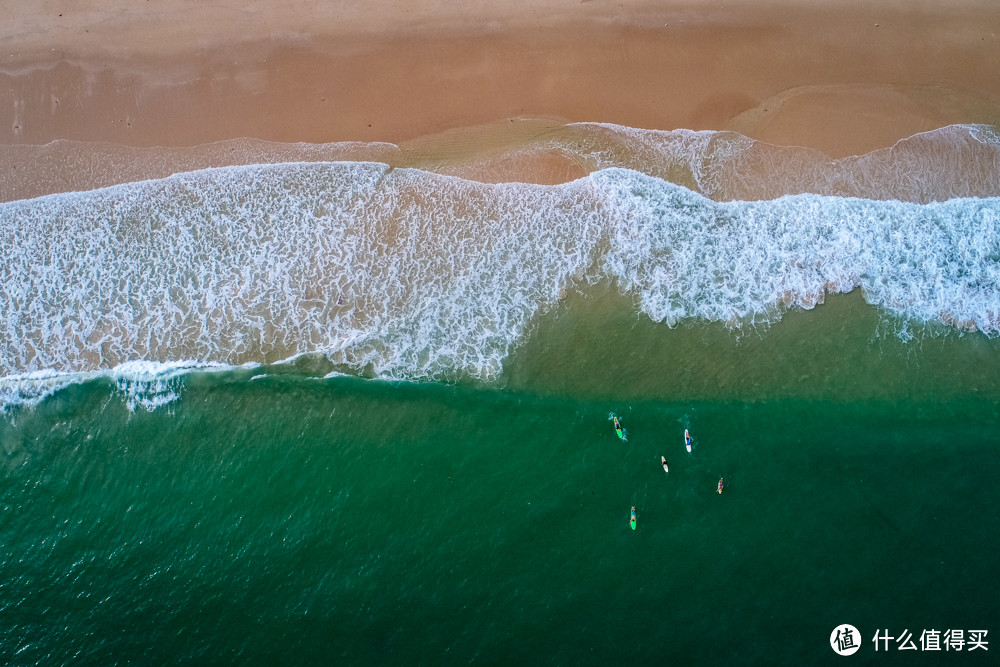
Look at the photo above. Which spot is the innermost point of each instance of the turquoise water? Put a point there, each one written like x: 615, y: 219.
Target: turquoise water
x: 268, y: 515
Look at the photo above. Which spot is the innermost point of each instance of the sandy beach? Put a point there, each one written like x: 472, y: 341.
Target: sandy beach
x: 316, y: 316
x: 439, y: 82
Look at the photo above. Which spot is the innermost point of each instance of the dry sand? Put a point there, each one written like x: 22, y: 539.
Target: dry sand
x: 440, y: 81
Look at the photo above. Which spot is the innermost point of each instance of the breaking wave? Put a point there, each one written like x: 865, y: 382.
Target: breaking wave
x: 404, y: 273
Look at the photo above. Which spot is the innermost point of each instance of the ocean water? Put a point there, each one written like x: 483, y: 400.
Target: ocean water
x: 351, y: 412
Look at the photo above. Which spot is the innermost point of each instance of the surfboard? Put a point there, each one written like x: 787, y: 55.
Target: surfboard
x: 619, y: 430
x: 687, y: 440
x: 631, y: 521
x: 720, y: 485
x: 663, y: 460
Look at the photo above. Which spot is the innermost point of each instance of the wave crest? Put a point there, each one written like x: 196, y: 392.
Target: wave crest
x: 403, y: 273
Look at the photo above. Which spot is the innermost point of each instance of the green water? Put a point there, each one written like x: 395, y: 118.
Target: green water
x: 289, y: 519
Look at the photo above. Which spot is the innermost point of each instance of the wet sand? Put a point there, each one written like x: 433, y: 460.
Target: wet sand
x: 440, y: 83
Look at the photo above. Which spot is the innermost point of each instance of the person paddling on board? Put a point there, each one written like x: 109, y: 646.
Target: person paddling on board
x: 618, y: 428
x: 631, y: 521
x: 663, y: 460
x: 687, y: 440
x: 720, y: 485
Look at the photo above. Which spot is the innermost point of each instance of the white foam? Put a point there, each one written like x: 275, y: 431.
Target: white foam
x: 687, y: 256
x: 144, y: 384
x: 953, y: 161
x: 406, y: 274
x: 398, y: 272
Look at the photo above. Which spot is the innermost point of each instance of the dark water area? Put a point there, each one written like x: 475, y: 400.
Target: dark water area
x: 272, y: 517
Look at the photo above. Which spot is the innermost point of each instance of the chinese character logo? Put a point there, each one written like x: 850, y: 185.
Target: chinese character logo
x: 845, y: 639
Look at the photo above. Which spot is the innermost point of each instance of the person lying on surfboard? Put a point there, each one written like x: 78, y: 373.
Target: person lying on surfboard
x: 663, y: 460
x: 687, y: 440
x: 720, y: 485
x: 618, y: 427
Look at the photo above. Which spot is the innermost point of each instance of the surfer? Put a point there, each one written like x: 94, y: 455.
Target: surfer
x: 663, y: 460
x: 631, y: 521
x: 720, y: 485
x: 687, y: 440
x: 618, y: 428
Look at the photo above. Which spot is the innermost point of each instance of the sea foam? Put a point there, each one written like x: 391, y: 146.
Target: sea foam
x: 407, y: 274
x: 946, y: 163
x: 949, y: 162
x: 686, y: 256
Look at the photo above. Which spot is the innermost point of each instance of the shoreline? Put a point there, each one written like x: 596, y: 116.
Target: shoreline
x: 723, y: 166
x: 815, y: 75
